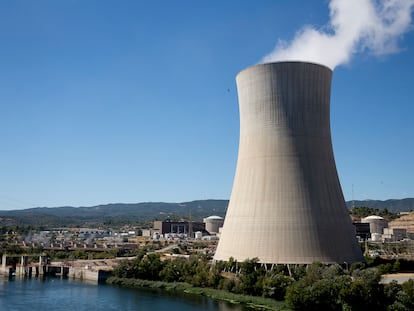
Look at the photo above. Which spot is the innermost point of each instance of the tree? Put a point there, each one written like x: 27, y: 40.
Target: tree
x: 365, y: 292
x: 318, y: 288
x: 405, y: 298
x: 320, y: 294
x: 150, y: 267
x: 251, y: 277
x: 275, y: 285
x: 14, y: 249
x: 391, y: 292
x: 171, y: 272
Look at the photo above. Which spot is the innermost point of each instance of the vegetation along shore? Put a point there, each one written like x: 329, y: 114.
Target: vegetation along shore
x: 312, y: 287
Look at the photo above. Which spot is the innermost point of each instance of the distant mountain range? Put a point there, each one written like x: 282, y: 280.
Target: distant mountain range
x: 113, y: 214
x: 124, y: 213
x: 393, y: 205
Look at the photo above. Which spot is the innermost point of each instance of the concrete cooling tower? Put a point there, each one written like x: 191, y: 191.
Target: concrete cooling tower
x: 286, y: 205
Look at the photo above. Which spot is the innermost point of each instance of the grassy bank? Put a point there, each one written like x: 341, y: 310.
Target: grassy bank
x: 251, y: 301
x: 259, y: 303
x: 138, y: 283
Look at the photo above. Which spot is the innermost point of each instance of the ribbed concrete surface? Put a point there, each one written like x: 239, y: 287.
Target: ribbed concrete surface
x: 286, y: 205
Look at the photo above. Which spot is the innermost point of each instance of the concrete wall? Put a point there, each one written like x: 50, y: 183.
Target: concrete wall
x: 286, y: 204
x: 83, y: 274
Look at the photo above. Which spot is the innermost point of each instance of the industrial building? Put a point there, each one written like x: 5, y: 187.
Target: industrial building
x: 286, y: 205
x: 394, y: 234
x: 362, y: 231
x: 178, y: 227
x: 213, y: 224
x: 376, y: 224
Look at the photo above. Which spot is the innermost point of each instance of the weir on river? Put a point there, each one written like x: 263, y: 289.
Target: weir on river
x: 91, y: 270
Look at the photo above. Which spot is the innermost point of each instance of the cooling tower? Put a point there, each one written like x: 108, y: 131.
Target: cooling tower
x: 286, y: 206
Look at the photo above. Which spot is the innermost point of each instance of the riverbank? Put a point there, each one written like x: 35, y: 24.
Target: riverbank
x: 258, y: 303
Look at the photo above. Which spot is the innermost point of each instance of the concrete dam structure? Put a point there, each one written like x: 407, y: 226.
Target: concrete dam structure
x: 286, y: 206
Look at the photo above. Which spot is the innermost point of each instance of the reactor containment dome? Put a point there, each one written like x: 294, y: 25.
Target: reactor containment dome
x: 286, y: 206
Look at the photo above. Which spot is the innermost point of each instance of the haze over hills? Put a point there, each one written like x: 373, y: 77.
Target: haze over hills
x: 121, y: 213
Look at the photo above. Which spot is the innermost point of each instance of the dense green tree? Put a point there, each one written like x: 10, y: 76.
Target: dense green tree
x: 14, y: 249
x: 365, y: 291
x: 356, y: 266
x: 149, y: 267
x: 275, y: 285
x: 391, y: 292
x: 251, y: 277
x: 171, y: 271
x: 318, y: 289
x: 124, y: 269
x: 228, y: 284
x: 297, y: 271
x: 396, y: 266
x: 406, y: 296
x: 215, y: 274
x: 313, y: 287
x: 364, y: 211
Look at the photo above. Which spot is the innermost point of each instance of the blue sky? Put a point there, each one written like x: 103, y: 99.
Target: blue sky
x: 133, y: 101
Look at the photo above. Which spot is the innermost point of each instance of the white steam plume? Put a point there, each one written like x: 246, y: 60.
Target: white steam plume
x: 355, y: 26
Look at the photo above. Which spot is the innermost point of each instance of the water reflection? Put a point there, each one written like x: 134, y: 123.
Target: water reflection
x: 225, y: 306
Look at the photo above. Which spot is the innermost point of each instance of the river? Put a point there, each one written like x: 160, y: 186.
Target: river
x: 63, y: 294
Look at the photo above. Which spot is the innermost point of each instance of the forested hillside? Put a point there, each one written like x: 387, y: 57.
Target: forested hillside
x: 119, y: 213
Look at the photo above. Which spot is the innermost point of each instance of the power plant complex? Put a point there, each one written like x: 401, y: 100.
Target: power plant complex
x: 286, y: 206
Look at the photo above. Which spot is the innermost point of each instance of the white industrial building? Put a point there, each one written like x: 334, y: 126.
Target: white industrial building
x: 213, y: 224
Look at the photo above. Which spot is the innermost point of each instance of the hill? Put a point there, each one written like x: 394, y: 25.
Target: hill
x: 123, y: 213
x: 393, y: 205
x: 113, y: 214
